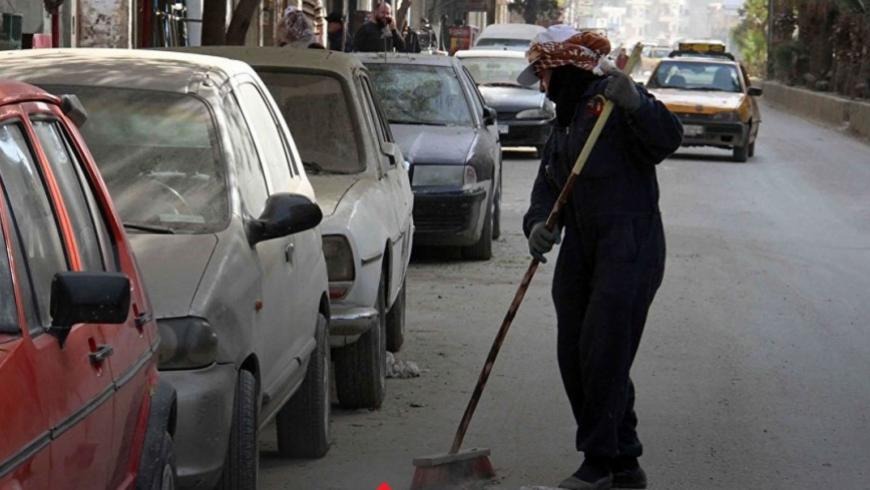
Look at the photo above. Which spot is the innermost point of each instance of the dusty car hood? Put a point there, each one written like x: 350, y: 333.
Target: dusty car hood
x: 688, y: 101
x: 511, y: 99
x: 330, y: 188
x: 434, y: 144
x: 172, y: 266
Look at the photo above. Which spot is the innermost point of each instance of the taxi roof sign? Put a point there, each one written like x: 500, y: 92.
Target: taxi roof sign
x: 706, y: 47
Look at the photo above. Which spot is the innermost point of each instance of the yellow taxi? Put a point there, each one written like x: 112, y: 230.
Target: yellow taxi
x: 712, y: 96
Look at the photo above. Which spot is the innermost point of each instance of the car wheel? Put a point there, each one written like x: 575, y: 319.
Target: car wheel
x: 360, y: 368
x: 482, y: 250
x: 243, y: 455
x: 303, y: 422
x: 166, y: 479
x: 752, y: 149
x: 741, y: 153
x: 496, y: 215
x: 396, y: 323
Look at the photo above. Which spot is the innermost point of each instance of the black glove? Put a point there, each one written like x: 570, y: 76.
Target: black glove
x: 541, y: 240
x: 622, y: 91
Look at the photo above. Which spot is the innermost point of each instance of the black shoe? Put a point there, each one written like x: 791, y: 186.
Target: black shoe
x: 574, y: 483
x: 594, y: 474
x: 629, y: 478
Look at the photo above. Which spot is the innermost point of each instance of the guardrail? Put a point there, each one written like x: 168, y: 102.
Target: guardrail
x: 850, y: 114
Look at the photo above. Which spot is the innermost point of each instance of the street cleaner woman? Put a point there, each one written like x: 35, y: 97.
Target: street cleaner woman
x: 612, y: 257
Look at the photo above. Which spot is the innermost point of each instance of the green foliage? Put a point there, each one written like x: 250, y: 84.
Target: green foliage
x: 751, y: 36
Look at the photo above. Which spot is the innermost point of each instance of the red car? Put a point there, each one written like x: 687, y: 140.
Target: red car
x: 80, y: 399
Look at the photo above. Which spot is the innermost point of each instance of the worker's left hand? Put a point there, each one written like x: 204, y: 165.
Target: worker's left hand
x: 622, y: 90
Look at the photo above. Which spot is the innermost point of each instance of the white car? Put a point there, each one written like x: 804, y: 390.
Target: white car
x: 361, y: 180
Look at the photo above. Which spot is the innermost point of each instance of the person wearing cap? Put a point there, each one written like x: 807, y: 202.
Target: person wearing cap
x: 380, y: 33
x: 337, y: 37
x: 612, y: 257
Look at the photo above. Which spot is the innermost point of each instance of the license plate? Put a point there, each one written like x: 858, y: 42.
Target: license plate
x: 692, y: 130
x: 504, y: 129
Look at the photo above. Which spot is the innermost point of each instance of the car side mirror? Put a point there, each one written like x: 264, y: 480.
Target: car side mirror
x: 87, y: 297
x: 73, y: 108
x: 490, y: 116
x: 284, y: 214
x: 393, y: 152
x: 755, y: 91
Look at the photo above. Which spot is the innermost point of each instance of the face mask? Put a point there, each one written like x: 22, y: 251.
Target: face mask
x: 567, y: 86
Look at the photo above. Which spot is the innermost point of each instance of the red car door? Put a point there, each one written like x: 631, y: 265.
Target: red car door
x: 130, y: 345
x: 73, y: 379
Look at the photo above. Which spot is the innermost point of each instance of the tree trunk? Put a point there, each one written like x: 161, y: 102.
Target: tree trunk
x: 214, y: 22
x: 240, y: 22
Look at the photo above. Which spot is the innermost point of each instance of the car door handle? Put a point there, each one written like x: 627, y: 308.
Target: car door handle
x: 288, y: 252
x: 142, y: 319
x: 102, y: 353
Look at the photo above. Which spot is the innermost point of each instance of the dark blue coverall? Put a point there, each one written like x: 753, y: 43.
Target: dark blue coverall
x: 611, y: 261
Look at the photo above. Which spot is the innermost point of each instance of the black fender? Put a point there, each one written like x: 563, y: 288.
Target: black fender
x: 161, y: 421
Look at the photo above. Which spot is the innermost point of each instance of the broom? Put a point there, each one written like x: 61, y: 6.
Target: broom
x: 450, y: 470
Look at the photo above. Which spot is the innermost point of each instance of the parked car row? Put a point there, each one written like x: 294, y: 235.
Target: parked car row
x: 260, y: 199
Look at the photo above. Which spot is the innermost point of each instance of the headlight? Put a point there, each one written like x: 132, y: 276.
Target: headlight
x: 726, y: 116
x: 186, y: 343
x: 339, y: 258
x: 444, y: 175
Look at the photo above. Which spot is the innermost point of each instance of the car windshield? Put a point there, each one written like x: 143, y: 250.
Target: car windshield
x: 718, y: 77
x: 655, y: 52
x: 159, y: 156
x: 316, y: 110
x: 496, y: 71
x: 503, y: 42
x: 419, y: 94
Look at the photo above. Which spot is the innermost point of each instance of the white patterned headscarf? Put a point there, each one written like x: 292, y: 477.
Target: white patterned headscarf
x: 295, y: 30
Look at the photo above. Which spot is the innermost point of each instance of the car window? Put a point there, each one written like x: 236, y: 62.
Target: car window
x: 32, y: 215
x: 249, y: 172
x: 715, y: 77
x: 8, y: 308
x: 159, y: 154
x: 317, y: 112
x: 273, y: 154
x: 419, y: 94
x: 64, y: 169
x: 496, y: 71
x: 503, y: 42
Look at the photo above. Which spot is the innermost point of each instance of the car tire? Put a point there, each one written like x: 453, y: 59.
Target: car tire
x: 741, y: 153
x: 361, y: 367
x: 166, y: 479
x: 496, y: 215
x: 303, y: 422
x: 482, y: 250
x: 396, y: 322
x: 243, y: 455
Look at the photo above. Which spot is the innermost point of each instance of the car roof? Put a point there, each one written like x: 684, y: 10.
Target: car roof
x: 283, y: 57
x: 512, y: 31
x: 490, y: 53
x: 137, y: 69
x: 12, y: 92
x: 407, y: 59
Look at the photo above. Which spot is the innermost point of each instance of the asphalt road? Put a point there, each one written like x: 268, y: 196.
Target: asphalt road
x: 754, y: 371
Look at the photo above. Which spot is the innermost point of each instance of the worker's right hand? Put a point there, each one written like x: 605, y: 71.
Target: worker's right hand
x: 541, y: 240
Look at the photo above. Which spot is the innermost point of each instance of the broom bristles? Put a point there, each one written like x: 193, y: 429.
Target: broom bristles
x: 452, y: 474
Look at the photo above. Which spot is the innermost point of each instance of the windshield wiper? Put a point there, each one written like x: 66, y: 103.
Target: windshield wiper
x: 160, y: 230
x: 312, y: 167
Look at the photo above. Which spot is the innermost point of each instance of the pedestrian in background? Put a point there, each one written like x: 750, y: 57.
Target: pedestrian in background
x: 613, y: 257
x: 296, y: 31
x: 412, y: 40
x: 337, y: 37
x: 379, y: 33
